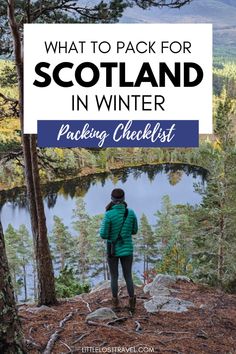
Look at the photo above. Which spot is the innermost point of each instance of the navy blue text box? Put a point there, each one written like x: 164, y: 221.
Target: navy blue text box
x: 118, y: 133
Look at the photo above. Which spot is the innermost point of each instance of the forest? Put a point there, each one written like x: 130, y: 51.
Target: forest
x: 197, y: 241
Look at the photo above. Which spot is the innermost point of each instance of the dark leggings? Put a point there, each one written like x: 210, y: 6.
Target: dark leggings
x: 126, y: 263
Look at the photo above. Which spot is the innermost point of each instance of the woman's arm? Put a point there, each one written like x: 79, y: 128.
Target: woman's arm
x: 105, y: 227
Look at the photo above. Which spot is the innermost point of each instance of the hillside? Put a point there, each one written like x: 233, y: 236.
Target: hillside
x: 208, y: 327
x: 221, y: 13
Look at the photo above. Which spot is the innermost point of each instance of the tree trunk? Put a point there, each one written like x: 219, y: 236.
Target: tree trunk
x: 107, y: 270
x: 15, y: 284
x: 104, y: 269
x: 35, y: 281
x: 144, y: 265
x: 177, y: 261
x: 25, y: 282
x: 46, y: 284
x: 11, y: 340
x: 62, y: 259
x: 220, y: 270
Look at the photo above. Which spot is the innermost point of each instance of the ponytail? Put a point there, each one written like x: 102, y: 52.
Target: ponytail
x: 111, y: 204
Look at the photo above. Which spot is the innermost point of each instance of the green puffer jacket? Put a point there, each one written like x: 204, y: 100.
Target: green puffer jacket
x: 111, y: 225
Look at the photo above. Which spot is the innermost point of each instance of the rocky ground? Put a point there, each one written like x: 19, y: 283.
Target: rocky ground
x: 209, y: 326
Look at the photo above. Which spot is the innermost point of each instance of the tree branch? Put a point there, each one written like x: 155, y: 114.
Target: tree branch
x: 93, y: 323
x: 56, y: 334
x: 10, y: 106
x: 10, y: 155
x: 102, y: 11
x: 173, y: 4
x: 8, y: 99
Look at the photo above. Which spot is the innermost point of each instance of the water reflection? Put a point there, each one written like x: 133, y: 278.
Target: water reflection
x: 144, y: 188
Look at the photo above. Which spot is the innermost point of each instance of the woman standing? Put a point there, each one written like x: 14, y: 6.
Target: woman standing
x: 118, y: 226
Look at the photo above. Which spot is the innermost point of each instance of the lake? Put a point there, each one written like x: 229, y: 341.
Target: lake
x: 144, y: 188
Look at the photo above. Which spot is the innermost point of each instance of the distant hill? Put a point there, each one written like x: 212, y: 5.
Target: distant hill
x: 221, y: 13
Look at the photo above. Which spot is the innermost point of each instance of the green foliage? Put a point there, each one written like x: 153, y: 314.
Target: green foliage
x: 136, y: 279
x: 224, y: 76
x: 175, y: 177
x: 72, y: 11
x: 89, y: 255
x: 8, y: 84
x: 24, y: 244
x: 175, y: 259
x: 80, y: 225
x: 146, y: 244
x: 215, y: 240
x: 200, y: 241
x: 62, y: 243
x: 12, y: 239
x: 174, y: 229
x: 97, y: 249
x: 58, y: 163
x: 8, y: 77
x: 68, y: 286
x: 84, y: 251
x: 197, y: 241
x: 20, y: 255
x: 165, y: 227
x: 223, y: 122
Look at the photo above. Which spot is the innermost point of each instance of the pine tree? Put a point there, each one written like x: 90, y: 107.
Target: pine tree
x: 175, y: 225
x: 165, y: 227
x: 11, y: 339
x: 20, y: 254
x: 177, y: 255
x: 217, y: 217
x: 81, y: 226
x: 25, y: 252
x: 62, y: 243
x: 147, y: 244
x: 175, y: 177
x: 97, y: 251
x: 12, y: 244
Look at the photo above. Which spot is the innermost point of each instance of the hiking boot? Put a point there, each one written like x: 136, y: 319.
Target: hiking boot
x: 115, y: 303
x: 132, y: 303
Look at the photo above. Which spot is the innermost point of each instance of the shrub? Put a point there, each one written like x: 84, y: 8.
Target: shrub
x: 67, y: 284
